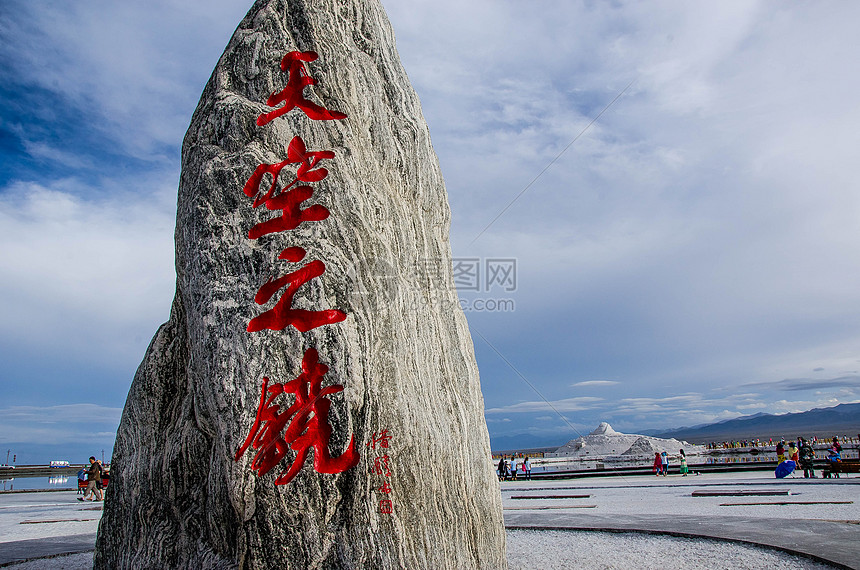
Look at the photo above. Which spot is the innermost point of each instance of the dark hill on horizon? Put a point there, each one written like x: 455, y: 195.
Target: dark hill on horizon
x: 840, y: 420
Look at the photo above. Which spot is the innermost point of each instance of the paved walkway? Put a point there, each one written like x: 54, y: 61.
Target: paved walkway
x: 20, y: 550
x: 822, y: 519
x: 819, y: 518
x: 832, y: 542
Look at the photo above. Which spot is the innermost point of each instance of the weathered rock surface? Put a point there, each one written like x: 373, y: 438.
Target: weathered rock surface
x: 177, y: 498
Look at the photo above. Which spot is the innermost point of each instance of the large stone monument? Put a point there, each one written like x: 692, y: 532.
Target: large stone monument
x: 313, y: 401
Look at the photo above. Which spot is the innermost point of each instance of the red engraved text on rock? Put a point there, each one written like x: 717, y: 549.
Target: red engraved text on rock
x: 292, y: 95
x: 308, y: 425
x: 381, y: 438
x: 283, y: 314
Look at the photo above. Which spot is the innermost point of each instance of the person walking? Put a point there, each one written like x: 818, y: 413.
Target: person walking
x: 502, y: 468
x: 527, y: 468
x: 664, y: 463
x: 514, y: 467
x: 807, y: 456
x: 94, y: 480
x: 684, y: 469
x: 658, y: 464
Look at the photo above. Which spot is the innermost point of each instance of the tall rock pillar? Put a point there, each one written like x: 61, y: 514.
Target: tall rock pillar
x: 313, y: 401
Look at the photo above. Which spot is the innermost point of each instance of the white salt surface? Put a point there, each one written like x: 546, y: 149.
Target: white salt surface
x: 83, y: 561
x: 649, y: 495
x: 581, y: 550
x: 25, y: 516
x: 587, y: 550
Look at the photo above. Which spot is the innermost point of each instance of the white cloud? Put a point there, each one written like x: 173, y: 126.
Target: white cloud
x: 70, y: 423
x: 77, y: 271
x: 595, y: 383
x: 139, y: 67
x: 565, y: 405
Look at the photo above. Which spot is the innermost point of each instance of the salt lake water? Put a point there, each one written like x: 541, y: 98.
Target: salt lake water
x: 39, y: 483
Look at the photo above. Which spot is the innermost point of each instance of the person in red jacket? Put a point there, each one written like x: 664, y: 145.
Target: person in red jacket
x: 658, y: 464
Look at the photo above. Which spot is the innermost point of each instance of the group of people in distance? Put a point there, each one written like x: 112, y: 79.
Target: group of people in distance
x: 661, y: 463
x: 509, y: 468
x: 803, y: 455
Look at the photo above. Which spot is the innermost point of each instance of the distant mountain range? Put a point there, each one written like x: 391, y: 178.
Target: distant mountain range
x: 840, y: 420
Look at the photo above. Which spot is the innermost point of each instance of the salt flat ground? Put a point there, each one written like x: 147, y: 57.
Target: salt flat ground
x: 817, y: 527
x: 672, y: 495
x: 25, y: 516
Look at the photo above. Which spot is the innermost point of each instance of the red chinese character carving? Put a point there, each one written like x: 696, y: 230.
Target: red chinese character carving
x: 382, y: 438
x: 304, y: 432
x: 292, y: 95
x: 385, y: 506
x: 292, y: 215
x: 283, y: 314
x: 386, y: 488
x: 288, y: 200
x: 381, y: 466
x: 297, y: 153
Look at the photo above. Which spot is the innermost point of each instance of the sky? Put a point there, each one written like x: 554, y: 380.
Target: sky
x: 654, y: 200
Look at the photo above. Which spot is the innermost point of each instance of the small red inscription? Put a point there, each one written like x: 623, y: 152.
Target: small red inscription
x: 293, y: 94
x: 379, y: 438
x: 308, y: 425
x: 381, y: 466
x: 385, y: 506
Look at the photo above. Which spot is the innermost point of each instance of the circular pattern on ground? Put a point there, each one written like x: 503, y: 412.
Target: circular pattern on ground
x: 591, y: 550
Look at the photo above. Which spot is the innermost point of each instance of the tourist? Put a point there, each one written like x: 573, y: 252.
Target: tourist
x: 658, y: 464
x: 507, y: 468
x: 807, y: 456
x: 664, y: 461
x: 780, y: 451
x: 792, y: 450
x: 834, y: 457
x: 527, y: 468
x: 94, y: 481
x: 836, y: 445
x: 684, y: 469
x: 514, y: 467
x: 502, y: 468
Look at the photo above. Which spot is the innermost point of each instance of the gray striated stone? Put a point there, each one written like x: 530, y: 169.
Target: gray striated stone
x: 178, y: 499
